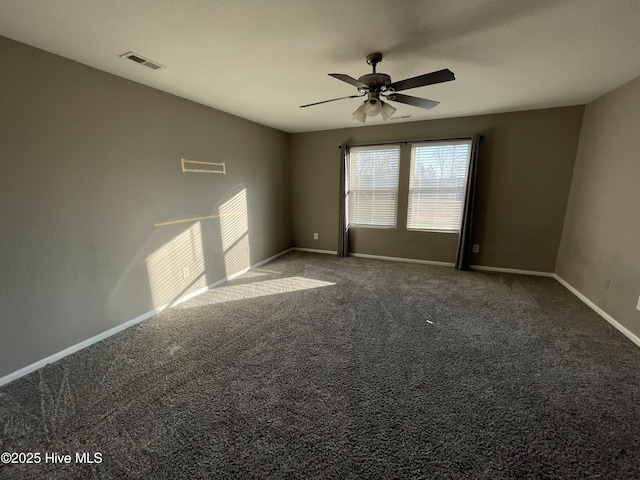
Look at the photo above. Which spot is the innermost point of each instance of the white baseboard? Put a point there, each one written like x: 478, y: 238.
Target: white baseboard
x: 624, y: 330
x: 536, y: 273
x: 429, y: 262
x: 402, y: 259
x: 123, y: 326
x: 377, y: 257
x: 313, y: 250
x: 74, y: 348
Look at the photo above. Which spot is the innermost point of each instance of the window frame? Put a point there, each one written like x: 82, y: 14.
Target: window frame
x: 350, y: 191
x: 410, y: 189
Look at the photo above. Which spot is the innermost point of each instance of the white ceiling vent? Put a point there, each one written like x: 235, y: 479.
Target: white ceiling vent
x: 134, y: 57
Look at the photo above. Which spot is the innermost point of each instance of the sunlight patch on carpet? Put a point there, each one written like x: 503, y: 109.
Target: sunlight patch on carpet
x: 254, y: 290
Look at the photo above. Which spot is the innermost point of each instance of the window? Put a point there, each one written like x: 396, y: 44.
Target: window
x: 373, y: 185
x: 437, y: 185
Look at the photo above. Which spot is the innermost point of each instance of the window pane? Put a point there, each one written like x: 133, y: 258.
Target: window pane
x: 373, y: 208
x: 373, y: 185
x: 437, y: 185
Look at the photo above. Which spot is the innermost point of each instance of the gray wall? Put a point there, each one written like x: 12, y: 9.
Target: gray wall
x: 524, y: 177
x: 601, y: 237
x: 90, y: 162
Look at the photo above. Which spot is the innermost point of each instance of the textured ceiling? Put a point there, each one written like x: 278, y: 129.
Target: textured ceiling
x: 261, y: 59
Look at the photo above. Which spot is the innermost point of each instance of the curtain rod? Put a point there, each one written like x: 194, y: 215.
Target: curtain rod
x: 407, y: 142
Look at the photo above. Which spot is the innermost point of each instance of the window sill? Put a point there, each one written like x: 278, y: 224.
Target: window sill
x: 426, y: 230
x: 374, y: 227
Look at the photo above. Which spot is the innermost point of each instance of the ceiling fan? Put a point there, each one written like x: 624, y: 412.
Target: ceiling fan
x: 377, y: 86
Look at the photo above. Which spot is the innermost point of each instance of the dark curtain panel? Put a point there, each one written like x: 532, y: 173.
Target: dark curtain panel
x: 343, y: 226
x: 463, y: 257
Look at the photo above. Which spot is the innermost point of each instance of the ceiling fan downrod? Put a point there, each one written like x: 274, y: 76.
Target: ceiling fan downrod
x: 374, y: 59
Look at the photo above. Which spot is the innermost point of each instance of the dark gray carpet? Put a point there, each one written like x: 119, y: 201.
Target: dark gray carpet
x: 319, y: 367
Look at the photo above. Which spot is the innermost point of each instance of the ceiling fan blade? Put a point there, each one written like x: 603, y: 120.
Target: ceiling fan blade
x: 349, y: 80
x: 415, y: 101
x: 332, y: 100
x: 440, y: 76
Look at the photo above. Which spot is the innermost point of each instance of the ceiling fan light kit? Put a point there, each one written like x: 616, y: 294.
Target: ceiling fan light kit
x: 360, y: 114
x: 372, y: 107
x: 387, y: 111
x: 374, y: 85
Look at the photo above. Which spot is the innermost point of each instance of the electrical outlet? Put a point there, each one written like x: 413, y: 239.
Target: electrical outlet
x: 315, y: 236
x: 607, y: 284
x: 185, y: 272
x: 475, y: 248
x: 638, y: 305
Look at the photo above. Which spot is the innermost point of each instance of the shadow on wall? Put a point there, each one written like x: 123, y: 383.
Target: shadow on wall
x: 187, y: 255
x: 185, y: 264
x: 178, y: 267
x: 208, y: 249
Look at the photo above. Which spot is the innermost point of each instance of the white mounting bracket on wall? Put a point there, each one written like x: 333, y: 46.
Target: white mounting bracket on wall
x: 202, y: 167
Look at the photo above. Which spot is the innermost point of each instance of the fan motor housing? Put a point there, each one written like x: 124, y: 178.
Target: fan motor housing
x: 375, y: 81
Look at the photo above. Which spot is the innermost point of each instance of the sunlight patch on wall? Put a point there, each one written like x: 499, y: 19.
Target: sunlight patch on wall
x: 177, y: 268
x: 234, y: 228
x: 254, y: 290
x: 191, y: 219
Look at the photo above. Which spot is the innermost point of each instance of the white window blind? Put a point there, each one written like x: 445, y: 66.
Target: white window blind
x: 373, y: 185
x: 437, y: 185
